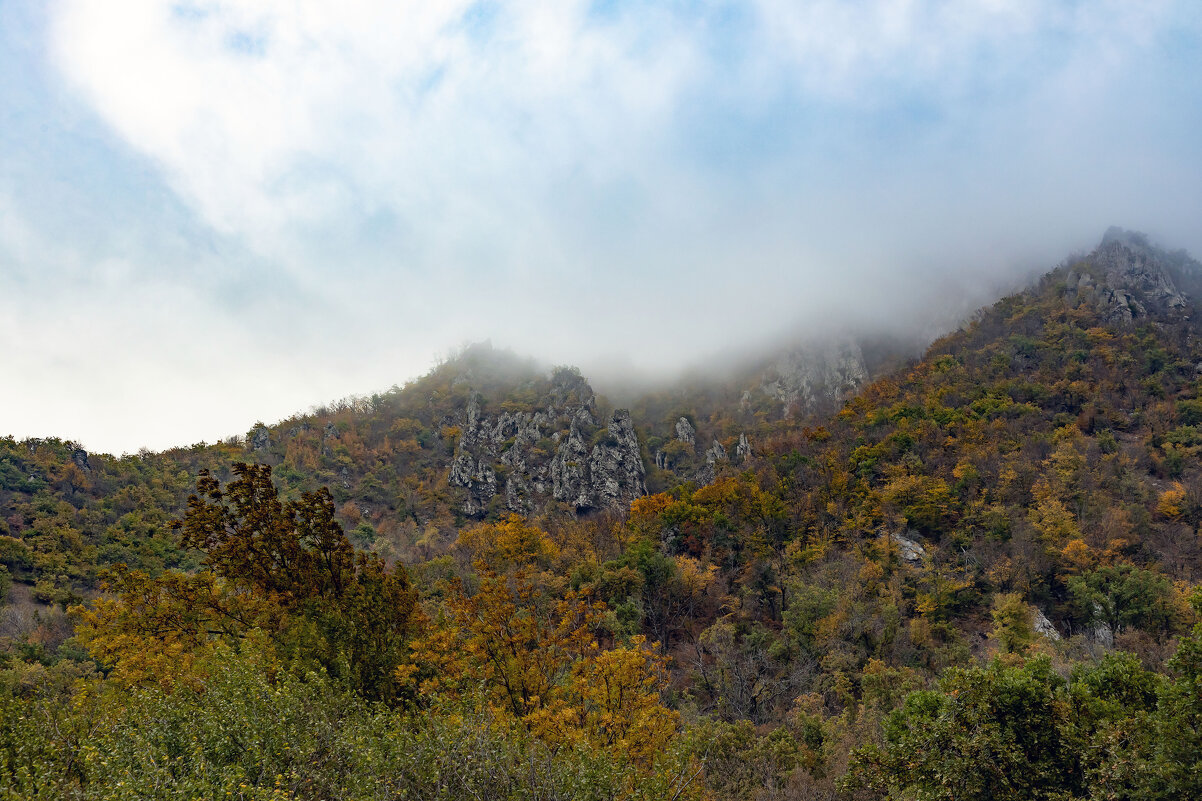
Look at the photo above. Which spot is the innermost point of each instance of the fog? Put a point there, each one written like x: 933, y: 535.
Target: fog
x: 213, y: 213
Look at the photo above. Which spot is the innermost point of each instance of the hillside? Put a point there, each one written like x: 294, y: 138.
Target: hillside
x: 484, y: 434
x: 776, y: 576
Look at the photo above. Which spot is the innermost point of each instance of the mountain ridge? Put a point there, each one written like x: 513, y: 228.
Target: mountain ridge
x: 488, y: 433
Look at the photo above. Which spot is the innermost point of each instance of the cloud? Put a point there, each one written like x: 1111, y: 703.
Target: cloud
x: 375, y: 182
x: 347, y: 110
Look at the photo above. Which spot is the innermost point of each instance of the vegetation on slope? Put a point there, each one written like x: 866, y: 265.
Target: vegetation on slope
x: 978, y: 579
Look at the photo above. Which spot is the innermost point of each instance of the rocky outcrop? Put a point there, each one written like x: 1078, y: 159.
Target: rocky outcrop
x: 568, y: 475
x: 709, y: 470
x: 815, y: 378
x: 259, y: 438
x: 615, y: 467
x: 1043, y: 627
x: 80, y: 457
x: 685, y: 432
x: 1127, y: 279
x: 522, y: 459
x: 478, y: 478
x: 908, y: 549
x: 743, y: 450
x: 715, y: 452
x: 1103, y: 635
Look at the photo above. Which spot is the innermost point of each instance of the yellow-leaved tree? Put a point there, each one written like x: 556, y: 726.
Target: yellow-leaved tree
x: 532, y: 653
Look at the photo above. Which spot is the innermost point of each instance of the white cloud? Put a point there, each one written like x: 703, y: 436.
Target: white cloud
x: 648, y: 180
x: 410, y: 107
x: 469, y: 122
x: 98, y: 351
x: 858, y: 51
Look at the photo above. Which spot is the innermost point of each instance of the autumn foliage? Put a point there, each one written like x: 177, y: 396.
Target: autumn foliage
x: 977, y: 578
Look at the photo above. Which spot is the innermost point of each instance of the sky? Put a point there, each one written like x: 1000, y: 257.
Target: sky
x: 219, y: 212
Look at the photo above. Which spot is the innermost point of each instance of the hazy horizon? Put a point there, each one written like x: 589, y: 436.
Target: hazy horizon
x: 213, y: 213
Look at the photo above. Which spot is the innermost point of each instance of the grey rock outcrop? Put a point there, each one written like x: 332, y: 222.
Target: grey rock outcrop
x: 615, y: 466
x: 80, y: 457
x: 709, y: 470
x: 815, y: 378
x: 526, y: 458
x: 685, y: 432
x: 260, y: 438
x: 908, y: 549
x: 743, y: 450
x: 568, y: 469
x: 1130, y: 279
x: 1103, y: 635
x: 478, y: 478
x: 1043, y: 626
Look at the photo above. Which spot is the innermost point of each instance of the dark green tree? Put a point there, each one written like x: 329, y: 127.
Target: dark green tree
x: 349, y: 611
x: 997, y: 733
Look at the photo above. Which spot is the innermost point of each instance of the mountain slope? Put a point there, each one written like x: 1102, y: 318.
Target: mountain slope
x: 1062, y: 421
x: 792, y: 591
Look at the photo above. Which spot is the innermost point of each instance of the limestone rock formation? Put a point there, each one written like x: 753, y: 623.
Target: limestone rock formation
x: 1127, y: 279
x: 709, y: 471
x: 685, y: 432
x: 1043, y: 626
x: 815, y: 377
x: 908, y: 549
x: 615, y: 466
x: 558, y: 450
x: 743, y: 450
x: 260, y: 438
x: 715, y: 452
x: 80, y: 457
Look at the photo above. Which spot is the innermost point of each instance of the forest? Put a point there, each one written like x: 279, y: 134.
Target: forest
x: 979, y: 576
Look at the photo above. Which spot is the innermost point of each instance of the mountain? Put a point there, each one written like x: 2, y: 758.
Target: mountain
x: 487, y: 433
x: 484, y: 434
x: 794, y: 568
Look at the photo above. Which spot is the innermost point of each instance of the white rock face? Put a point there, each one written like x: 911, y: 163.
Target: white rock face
x: 1043, y: 626
x: 909, y: 550
x: 685, y: 432
x: 815, y: 377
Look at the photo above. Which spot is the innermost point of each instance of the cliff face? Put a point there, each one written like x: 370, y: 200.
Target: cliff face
x: 1127, y: 279
x: 705, y: 424
x: 520, y: 459
x: 816, y: 378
